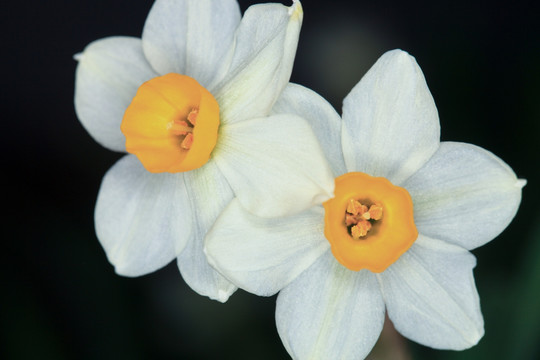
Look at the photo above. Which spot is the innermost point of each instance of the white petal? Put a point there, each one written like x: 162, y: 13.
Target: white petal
x: 190, y: 37
x: 330, y: 312
x: 274, y: 165
x: 263, y: 255
x: 108, y: 75
x: 200, y: 276
x: 262, y: 60
x: 142, y: 219
x: 390, y: 122
x: 464, y: 195
x: 210, y: 193
x: 324, y: 120
x: 431, y: 297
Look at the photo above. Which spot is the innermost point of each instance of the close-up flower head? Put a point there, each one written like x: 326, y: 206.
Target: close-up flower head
x: 161, y: 156
x: 190, y: 102
x: 394, y: 239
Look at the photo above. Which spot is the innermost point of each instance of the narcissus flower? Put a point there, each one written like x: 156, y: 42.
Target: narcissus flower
x: 191, y: 103
x: 395, y: 237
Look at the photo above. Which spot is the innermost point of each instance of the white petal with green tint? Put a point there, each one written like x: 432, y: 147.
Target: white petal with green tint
x: 209, y: 194
x: 263, y: 255
x: 431, y: 296
x: 108, y: 75
x: 390, y: 122
x: 324, y: 120
x: 464, y: 195
x: 143, y: 220
x: 262, y: 60
x: 274, y: 165
x: 330, y: 312
x: 190, y: 37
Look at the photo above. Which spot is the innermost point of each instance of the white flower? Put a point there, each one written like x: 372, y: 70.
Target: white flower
x: 463, y: 197
x: 146, y: 218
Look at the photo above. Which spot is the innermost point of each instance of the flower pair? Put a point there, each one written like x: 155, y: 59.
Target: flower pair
x: 347, y: 217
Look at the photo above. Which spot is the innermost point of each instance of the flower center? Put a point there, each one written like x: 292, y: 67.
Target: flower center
x: 369, y: 223
x: 358, y: 216
x: 171, y: 124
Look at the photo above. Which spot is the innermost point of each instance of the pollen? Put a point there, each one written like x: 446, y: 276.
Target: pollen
x: 375, y: 212
x: 192, y: 116
x: 171, y: 124
x: 360, y: 229
x: 369, y: 223
x: 355, y: 207
x: 357, y: 218
x: 187, y: 142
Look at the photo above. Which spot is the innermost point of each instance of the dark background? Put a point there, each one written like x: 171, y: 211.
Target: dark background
x: 61, y: 298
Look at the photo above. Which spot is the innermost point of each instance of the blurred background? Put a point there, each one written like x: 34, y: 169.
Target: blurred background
x: 61, y: 298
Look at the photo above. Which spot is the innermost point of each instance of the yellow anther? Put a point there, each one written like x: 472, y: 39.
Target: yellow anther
x: 192, y: 116
x: 355, y: 207
x: 357, y: 216
x: 187, y: 142
x: 360, y: 229
x: 375, y: 211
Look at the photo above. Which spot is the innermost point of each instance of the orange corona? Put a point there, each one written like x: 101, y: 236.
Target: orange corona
x: 369, y: 223
x: 171, y: 124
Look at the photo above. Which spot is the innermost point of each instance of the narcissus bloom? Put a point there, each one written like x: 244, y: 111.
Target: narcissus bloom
x: 395, y: 237
x: 191, y: 103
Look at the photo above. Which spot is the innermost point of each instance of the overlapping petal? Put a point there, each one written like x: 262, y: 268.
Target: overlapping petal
x: 200, y: 276
x: 209, y: 194
x: 143, y: 220
x: 261, y: 63
x: 108, y: 75
x: 267, y: 177
x: 464, y: 195
x: 329, y: 312
x: 324, y: 120
x: 190, y: 37
x: 431, y: 296
x: 390, y: 122
x: 263, y: 255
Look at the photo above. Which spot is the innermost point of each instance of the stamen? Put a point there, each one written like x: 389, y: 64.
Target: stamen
x: 180, y: 127
x: 187, y: 142
x: 192, y: 116
x: 357, y: 216
x: 375, y: 211
x: 355, y: 207
x: 361, y: 229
